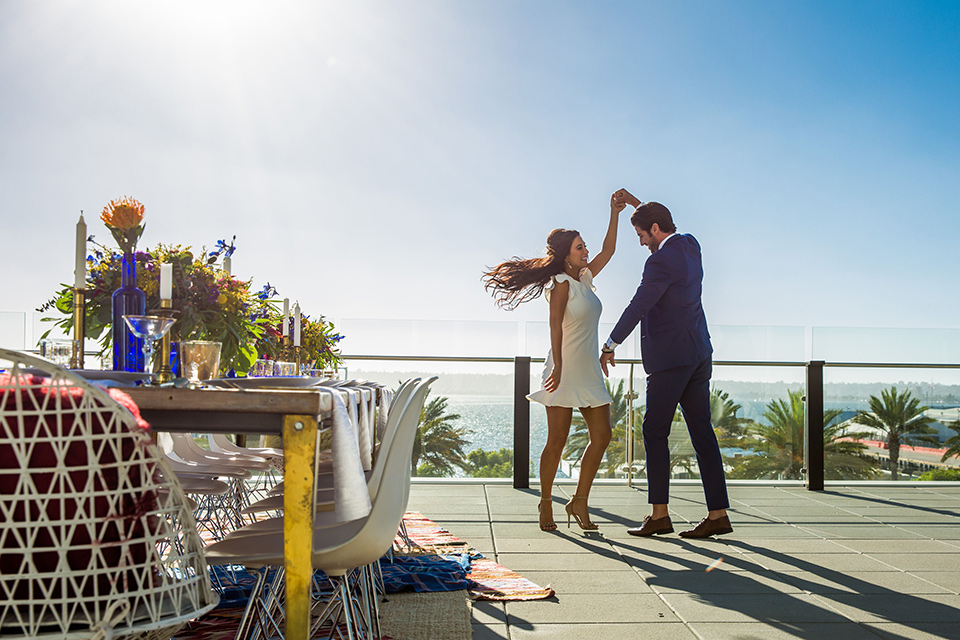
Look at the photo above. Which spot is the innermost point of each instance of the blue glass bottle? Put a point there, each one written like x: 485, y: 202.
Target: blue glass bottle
x: 128, y: 300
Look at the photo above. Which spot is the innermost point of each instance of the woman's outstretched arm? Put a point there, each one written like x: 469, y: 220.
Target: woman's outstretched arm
x: 610, y: 240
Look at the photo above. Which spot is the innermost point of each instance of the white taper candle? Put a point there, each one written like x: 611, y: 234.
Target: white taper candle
x: 166, y: 281
x: 296, y: 324
x: 80, y: 266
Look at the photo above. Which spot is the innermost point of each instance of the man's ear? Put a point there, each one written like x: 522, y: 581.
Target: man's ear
x: 654, y: 229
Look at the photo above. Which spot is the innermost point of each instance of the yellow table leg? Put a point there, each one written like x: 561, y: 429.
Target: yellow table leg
x: 299, y: 451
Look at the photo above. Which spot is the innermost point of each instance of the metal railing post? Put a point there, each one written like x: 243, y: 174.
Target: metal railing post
x: 521, y: 422
x: 813, y: 426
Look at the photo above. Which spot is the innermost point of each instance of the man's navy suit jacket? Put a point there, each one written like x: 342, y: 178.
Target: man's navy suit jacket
x: 673, y: 327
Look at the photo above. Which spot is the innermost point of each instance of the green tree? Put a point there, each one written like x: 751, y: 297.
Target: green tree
x: 580, y: 435
x: 490, y: 464
x: 616, y: 457
x: 731, y: 429
x: 780, y: 445
x: 438, y: 444
x: 950, y: 475
x: 953, y: 442
x: 900, y: 420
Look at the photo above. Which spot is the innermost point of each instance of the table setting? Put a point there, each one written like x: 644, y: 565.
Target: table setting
x: 198, y: 350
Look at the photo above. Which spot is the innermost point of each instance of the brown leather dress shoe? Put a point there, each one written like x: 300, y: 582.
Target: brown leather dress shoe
x: 708, y: 527
x: 651, y: 527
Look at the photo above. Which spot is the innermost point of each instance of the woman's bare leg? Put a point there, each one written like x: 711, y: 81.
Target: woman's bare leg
x: 598, y: 426
x: 558, y: 428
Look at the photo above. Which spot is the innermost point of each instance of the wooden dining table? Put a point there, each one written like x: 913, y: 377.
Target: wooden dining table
x: 295, y: 414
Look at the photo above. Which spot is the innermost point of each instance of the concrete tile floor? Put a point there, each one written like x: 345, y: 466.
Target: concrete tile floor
x: 850, y: 563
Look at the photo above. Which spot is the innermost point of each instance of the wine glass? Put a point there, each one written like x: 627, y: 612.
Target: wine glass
x: 150, y: 329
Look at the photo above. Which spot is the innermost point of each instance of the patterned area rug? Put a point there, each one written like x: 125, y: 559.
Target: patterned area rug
x: 438, y: 566
x: 491, y: 581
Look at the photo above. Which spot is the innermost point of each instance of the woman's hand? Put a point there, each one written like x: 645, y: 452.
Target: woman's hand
x: 616, y: 201
x: 553, y: 380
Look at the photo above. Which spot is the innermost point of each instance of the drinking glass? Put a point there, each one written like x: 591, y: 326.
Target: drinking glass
x: 261, y: 368
x: 199, y: 359
x: 285, y: 368
x: 149, y: 329
x: 57, y: 351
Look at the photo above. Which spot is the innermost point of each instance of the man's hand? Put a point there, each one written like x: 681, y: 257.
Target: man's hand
x: 607, y: 358
x: 626, y: 198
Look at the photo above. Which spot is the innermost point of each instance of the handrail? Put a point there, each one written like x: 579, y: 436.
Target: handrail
x: 716, y: 363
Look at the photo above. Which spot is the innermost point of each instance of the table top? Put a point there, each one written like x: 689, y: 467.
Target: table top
x: 227, y: 410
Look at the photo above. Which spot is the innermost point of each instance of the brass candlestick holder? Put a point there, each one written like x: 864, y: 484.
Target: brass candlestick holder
x: 296, y: 354
x: 165, y: 371
x: 79, y: 327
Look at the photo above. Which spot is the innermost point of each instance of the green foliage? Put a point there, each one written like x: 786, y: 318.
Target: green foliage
x: 731, y: 429
x: 779, y: 444
x: 953, y: 442
x: 900, y: 420
x: 580, y: 435
x: 438, y: 444
x: 490, y: 464
x: 210, y: 304
x: 941, y: 474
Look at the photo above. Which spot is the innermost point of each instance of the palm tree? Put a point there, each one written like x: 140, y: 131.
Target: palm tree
x: 580, y: 436
x: 900, y: 419
x: 730, y: 430
x: 953, y: 442
x: 616, y: 457
x: 438, y: 442
x: 781, y: 445
x: 729, y: 427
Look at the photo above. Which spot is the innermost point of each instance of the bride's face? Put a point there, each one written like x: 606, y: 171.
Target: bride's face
x: 579, y: 256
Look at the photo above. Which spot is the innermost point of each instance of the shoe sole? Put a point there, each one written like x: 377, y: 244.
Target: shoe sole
x: 652, y: 533
x: 715, y: 533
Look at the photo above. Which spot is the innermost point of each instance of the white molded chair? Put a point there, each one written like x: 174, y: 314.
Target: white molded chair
x: 340, y: 548
x: 324, y: 482
x: 96, y: 539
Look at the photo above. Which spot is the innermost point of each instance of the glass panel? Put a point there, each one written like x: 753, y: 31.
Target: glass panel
x: 13, y: 330
x: 429, y: 338
x: 903, y: 416
x: 757, y: 414
x: 758, y: 344
x: 467, y: 427
x: 877, y: 345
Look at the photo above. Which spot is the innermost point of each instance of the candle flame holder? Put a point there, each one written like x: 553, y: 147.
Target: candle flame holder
x: 165, y: 371
x: 79, y: 327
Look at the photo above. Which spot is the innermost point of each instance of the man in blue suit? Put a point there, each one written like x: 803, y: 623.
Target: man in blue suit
x: 676, y: 351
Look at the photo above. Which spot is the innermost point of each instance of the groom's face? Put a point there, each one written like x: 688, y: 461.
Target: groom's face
x: 648, y: 239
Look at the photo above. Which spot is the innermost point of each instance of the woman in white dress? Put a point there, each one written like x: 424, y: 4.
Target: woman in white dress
x: 571, y: 375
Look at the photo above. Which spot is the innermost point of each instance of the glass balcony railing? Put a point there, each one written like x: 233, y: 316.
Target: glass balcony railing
x: 763, y: 394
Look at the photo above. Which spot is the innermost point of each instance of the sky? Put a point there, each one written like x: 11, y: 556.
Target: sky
x: 373, y: 158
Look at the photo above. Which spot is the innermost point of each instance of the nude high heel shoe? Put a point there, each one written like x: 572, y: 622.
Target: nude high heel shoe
x: 583, y: 521
x: 549, y: 525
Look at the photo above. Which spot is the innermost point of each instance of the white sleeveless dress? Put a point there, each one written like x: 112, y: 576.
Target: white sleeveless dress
x: 581, y: 382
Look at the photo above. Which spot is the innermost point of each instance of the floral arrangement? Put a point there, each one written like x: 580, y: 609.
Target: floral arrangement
x: 318, y: 338
x: 124, y: 218
x: 212, y: 304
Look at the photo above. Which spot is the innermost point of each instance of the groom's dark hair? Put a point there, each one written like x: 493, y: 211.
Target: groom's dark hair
x: 650, y: 212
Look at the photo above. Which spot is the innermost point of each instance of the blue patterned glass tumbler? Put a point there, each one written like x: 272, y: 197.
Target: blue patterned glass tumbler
x: 128, y: 300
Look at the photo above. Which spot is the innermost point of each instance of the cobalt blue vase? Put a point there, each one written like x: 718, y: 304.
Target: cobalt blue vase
x: 128, y: 300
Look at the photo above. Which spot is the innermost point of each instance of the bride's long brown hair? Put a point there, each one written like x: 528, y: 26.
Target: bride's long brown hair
x: 519, y: 280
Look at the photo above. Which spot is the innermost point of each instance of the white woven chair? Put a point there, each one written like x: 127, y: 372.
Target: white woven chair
x: 96, y: 539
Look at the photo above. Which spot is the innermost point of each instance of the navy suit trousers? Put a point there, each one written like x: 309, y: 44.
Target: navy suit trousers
x: 688, y: 386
